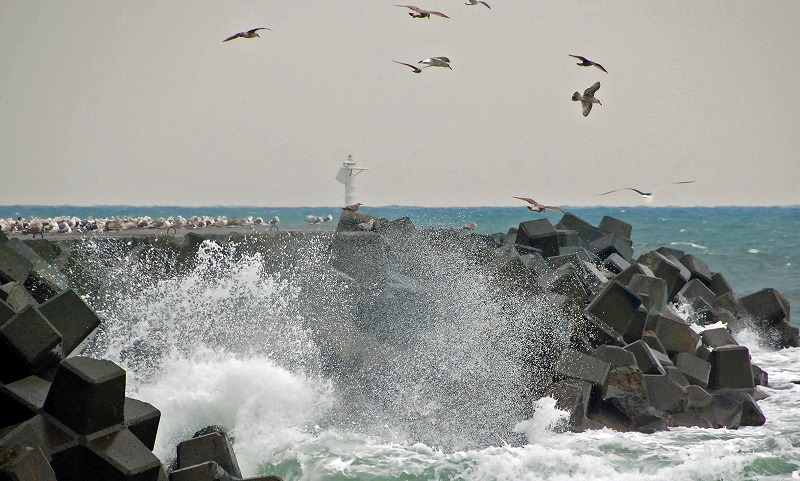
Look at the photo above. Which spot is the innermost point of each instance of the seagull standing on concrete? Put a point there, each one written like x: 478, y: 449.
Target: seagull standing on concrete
x: 588, y: 98
x: 537, y: 207
x: 312, y: 219
x: 422, y: 13
x: 585, y: 62
x: 647, y: 196
x: 368, y: 225
x: 353, y: 207
x: 327, y: 218
x: 248, y: 34
x: 475, y: 2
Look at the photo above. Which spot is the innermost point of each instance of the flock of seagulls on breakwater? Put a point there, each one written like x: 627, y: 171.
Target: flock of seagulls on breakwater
x: 76, y: 225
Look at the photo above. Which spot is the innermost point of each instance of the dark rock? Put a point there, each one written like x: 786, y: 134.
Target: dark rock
x: 628, y: 378
x: 26, y: 340
x: 87, y: 395
x: 632, y: 412
x: 730, y: 368
x: 689, y: 419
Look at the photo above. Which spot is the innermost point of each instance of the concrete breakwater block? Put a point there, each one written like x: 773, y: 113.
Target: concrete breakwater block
x: 616, y: 305
x: 116, y: 456
x: 71, y: 317
x: 26, y: 340
x: 539, y: 234
x: 87, y: 395
x: 730, y: 368
x: 668, y: 269
x: 214, y: 447
x: 24, y: 463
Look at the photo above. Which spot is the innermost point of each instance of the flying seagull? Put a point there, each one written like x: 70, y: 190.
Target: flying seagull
x: 588, y: 98
x: 248, y: 34
x: 475, y: 2
x: 428, y: 62
x: 585, y: 62
x: 537, y: 207
x: 421, y: 13
x: 416, y: 69
x: 353, y: 207
x: 647, y: 196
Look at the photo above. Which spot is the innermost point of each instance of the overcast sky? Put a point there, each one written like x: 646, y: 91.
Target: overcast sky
x: 140, y: 102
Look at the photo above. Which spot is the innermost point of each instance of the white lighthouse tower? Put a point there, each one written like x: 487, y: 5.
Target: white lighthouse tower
x: 346, y: 176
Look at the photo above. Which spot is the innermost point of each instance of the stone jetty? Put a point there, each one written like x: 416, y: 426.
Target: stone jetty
x: 650, y: 341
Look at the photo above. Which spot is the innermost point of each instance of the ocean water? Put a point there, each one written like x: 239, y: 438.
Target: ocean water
x: 263, y: 343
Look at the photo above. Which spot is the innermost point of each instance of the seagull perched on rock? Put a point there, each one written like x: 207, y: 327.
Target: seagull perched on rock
x: 248, y: 34
x: 327, y: 218
x: 367, y: 225
x: 475, y: 2
x: 588, y: 98
x: 312, y: 219
x: 470, y: 227
x: 585, y: 62
x: 353, y: 207
x: 647, y: 196
x: 274, y: 222
x: 422, y: 13
x: 534, y: 206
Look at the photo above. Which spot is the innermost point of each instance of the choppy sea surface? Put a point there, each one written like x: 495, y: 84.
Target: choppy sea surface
x: 234, y: 341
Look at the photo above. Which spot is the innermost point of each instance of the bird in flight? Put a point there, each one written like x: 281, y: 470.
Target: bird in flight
x: 248, y: 34
x: 647, y: 196
x: 421, y: 13
x: 585, y: 62
x: 428, y: 62
x: 588, y: 98
x: 537, y: 207
x: 475, y: 2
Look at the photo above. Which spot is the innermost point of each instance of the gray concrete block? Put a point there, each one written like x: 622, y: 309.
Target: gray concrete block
x: 29, y: 392
x: 577, y: 365
x: 654, y: 287
x: 665, y: 394
x: 615, y: 306
x: 24, y: 463
x: 668, y: 269
x: 142, y: 420
x: 783, y: 334
x: 615, y: 263
x: 16, y: 296
x: 677, y: 376
x: 689, y: 419
x: 645, y: 358
x: 636, y: 327
x: 612, y: 244
x: 597, y: 333
x: 539, y: 234
x: 210, y: 447
x: 615, y: 356
x: 760, y: 376
x: 652, y: 340
x: 208, y: 471
x: 736, y: 408
x: 695, y: 369
x: 616, y: 226
x: 699, y: 399
x: 573, y: 396
x: 671, y: 252
x: 26, y: 340
x: 625, y: 276
x: 717, y: 337
x: 44, y: 281
x: 50, y: 436
x: 767, y: 306
x: 13, y: 265
x: 633, y: 413
x: 696, y: 288
x: 71, y: 317
x: 117, y: 456
x: 730, y: 368
x: 697, y: 267
x: 719, y: 285
x: 732, y: 304
x: 6, y: 312
x: 675, y: 335
x: 87, y: 394
x: 566, y: 281
x: 628, y: 378
x: 585, y: 229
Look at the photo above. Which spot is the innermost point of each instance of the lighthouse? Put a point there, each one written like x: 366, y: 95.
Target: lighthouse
x: 347, y: 175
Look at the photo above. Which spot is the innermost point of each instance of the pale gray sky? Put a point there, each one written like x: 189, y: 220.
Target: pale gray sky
x: 140, y: 102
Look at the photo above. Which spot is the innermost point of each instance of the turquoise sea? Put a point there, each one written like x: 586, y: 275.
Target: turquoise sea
x: 232, y: 342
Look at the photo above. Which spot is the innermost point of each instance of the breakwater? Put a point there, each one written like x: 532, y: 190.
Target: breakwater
x: 546, y: 298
